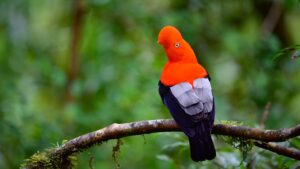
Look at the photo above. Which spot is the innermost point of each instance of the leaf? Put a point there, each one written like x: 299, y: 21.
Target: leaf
x: 163, y: 157
x: 292, y: 51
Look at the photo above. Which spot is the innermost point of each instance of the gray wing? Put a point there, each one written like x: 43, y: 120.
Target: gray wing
x: 203, y: 90
x: 197, y: 100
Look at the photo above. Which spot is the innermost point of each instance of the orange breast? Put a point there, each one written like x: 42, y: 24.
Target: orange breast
x: 178, y: 72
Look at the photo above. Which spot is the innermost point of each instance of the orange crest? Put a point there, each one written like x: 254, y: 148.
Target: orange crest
x: 182, y: 63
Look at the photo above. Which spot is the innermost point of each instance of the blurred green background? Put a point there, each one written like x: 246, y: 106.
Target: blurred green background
x: 71, y: 67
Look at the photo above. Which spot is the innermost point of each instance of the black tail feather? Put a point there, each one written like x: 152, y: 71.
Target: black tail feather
x: 201, y: 145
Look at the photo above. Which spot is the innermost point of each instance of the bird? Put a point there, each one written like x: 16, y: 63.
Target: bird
x: 185, y: 89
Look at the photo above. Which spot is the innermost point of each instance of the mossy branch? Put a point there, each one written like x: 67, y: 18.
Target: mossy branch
x: 116, y: 131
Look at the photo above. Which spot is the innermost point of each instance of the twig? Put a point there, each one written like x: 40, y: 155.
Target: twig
x: 91, y: 159
x: 265, y: 115
x: 289, y: 152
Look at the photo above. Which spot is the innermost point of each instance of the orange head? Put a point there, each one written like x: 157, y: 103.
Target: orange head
x: 176, y: 48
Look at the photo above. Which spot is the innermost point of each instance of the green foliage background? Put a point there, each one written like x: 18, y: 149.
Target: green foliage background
x: 119, y: 67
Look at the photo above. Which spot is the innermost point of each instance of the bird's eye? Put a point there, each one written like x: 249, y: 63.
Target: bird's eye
x: 177, y: 45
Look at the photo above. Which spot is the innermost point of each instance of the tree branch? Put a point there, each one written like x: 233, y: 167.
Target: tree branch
x: 289, y: 152
x: 116, y: 131
x: 272, y: 18
x: 78, y: 13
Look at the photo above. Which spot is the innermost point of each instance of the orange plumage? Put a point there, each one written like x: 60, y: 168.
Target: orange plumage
x: 182, y: 65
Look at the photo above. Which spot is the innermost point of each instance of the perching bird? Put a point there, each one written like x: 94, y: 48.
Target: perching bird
x: 185, y: 90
